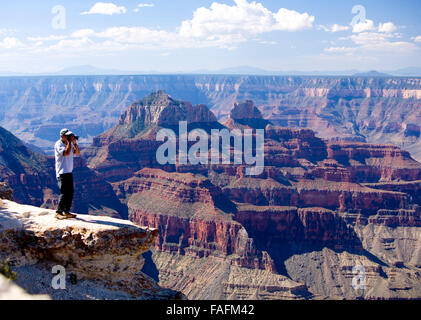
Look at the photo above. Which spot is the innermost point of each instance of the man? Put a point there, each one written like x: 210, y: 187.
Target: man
x: 64, y: 152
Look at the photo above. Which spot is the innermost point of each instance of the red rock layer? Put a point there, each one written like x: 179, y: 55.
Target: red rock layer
x: 291, y: 223
x: 312, y: 194
x: 413, y: 188
x: 395, y: 218
x: 320, y: 193
x: 372, y: 163
x: 191, y: 215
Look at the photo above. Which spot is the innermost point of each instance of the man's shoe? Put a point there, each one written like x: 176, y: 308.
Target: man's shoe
x: 69, y: 215
x: 61, y: 216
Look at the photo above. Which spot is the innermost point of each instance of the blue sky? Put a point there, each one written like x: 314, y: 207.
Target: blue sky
x: 189, y: 35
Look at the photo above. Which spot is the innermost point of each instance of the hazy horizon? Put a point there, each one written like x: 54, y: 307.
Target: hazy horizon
x: 88, y: 70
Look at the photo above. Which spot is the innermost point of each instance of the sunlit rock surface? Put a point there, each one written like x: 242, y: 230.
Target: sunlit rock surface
x: 100, y: 250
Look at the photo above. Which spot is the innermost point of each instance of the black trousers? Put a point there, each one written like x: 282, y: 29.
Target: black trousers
x: 65, y: 183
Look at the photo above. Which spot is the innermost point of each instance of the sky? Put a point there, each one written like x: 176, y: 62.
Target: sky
x: 190, y: 35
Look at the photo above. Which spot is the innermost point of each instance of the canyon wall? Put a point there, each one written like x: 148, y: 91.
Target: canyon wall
x: 318, y: 209
x: 209, y: 250
x: 295, y: 231
x: 372, y: 109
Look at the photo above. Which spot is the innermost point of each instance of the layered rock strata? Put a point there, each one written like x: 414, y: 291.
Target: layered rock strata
x: 318, y: 209
x: 101, y: 250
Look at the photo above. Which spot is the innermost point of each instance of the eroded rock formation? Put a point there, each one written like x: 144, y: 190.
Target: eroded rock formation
x: 100, y: 252
x: 372, y: 109
x: 295, y: 231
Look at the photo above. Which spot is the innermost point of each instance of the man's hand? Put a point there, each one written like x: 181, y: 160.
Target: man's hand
x: 74, y: 141
x: 68, y: 146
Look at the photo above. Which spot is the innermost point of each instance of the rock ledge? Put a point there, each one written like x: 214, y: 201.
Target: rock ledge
x: 96, y: 248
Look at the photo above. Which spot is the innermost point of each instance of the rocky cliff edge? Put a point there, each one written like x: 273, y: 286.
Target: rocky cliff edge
x: 101, y: 256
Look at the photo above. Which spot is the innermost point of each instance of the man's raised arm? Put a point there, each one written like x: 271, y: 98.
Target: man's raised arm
x: 68, y: 148
x: 77, y: 151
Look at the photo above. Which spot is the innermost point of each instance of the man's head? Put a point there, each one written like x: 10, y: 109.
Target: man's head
x: 66, y: 134
x: 63, y: 133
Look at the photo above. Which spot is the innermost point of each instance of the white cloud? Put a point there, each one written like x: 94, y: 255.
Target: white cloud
x: 48, y: 38
x: 106, y: 8
x: 382, y: 39
x: 239, y: 21
x: 369, y: 37
x: 141, y: 37
x: 143, y: 5
x: 10, y: 43
x: 381, y: 42
x: 340, y: 50
x: 73, y: 43
x: 368, y: 25
x: 135, y: 35
x: 334, y: 28
x: 387, y: 27
x: 337, y: 28
x: 270, y: 43
x: 417, y: 39
x: 7, y: 32
x: 82, y: 33
x: 221, y: 26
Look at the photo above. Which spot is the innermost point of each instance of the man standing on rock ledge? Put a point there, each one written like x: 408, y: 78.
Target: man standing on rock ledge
x: 64, y: 152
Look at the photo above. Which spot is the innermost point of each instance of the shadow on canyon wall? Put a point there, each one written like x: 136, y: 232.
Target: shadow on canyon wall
x: 281, y: 247
x: 149, y: 268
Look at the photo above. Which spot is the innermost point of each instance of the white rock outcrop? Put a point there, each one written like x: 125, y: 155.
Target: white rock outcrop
x: 95, y: 248
x: 10, y: 291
